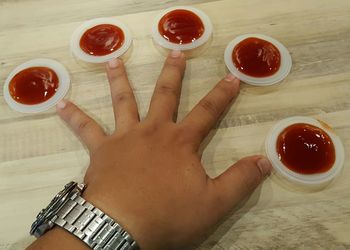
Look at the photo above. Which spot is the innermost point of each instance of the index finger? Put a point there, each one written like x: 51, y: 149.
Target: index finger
x: 208, y: 111
x: 124, y: 104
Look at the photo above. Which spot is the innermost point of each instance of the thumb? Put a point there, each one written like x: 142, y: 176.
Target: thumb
x: 239, y: 180
x: 83, y: 125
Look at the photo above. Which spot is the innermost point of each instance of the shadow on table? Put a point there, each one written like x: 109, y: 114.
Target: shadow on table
x: 228, y: 222
x: 20, y: 244
x: 211, y: 240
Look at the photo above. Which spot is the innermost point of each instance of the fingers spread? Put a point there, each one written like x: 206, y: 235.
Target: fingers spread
x: 208, y: 111
x: 123, y: 99
x: 83, y: 125
x: 239, y: 180
x: 165, y: 99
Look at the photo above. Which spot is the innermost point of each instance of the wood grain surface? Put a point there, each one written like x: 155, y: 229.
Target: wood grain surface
x: 39, y: 154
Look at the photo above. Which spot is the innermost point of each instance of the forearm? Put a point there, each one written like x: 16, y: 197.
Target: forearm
x: 56, y: 239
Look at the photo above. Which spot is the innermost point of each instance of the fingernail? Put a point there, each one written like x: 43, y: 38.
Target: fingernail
x: 61, y: 104
x: 265, y: 166
x: 113, y: 63
x: 175, y: 53
x: 230, y: 77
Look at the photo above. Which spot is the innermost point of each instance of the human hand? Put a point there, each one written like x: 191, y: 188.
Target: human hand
x: 148, y: 174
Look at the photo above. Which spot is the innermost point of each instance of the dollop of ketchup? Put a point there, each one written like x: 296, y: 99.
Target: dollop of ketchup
x: 181, y: 26
x: 305, y: 149
x: 33, y: 85
x: 256, y: 57
x: 102, y: 40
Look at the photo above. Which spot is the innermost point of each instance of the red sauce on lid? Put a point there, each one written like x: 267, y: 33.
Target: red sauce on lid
x: 102, y: 39
x: 256, y: 57
x: 181, y: 26
x: 33, y: 85
x: 305, y: 149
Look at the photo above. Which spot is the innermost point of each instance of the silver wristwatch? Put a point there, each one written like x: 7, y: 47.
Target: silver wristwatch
x: 71, y: 212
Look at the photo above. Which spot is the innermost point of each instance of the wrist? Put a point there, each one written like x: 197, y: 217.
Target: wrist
x: 56, y: 234
x: 125, y: 215
x: 82, y: 221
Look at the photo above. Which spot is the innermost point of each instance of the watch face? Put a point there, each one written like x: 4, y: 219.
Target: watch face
x: 41, y: 224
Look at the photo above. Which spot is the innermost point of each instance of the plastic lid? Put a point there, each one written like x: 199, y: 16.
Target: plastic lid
x: 159, y: 39
x: 304, y: 179
x: 77, y: 34
x: 63, y: 86
x: 283, y: 71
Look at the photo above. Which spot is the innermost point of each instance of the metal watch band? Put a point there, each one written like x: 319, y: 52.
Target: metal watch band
x: 92, y: 226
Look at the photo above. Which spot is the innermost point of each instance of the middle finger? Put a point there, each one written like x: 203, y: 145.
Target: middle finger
x: 165, y: 99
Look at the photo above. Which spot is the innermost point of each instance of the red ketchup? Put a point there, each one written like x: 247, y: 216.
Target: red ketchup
x: 33, y: 85
x: 102, y: 40
x: 305, y: 149
x: 256, y: 57
x: 181, y: 26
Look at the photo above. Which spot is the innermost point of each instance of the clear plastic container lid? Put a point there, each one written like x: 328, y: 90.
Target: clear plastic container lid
x: 63, y: 86
x: 283, y: 71
x: 160, y: 40
x: 318, y: 179
x: 78, y: 33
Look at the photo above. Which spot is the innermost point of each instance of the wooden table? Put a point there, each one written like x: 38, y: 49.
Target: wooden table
x: 39, y: 154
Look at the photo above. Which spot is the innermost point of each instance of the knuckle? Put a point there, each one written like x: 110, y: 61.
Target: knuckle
x: 167, y: 89
x: 149, y: 127
x: 182, y: 135
x: 77, y: 119
x: 123, y: 96
x: 83, y: 124
x: 210, y: 107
